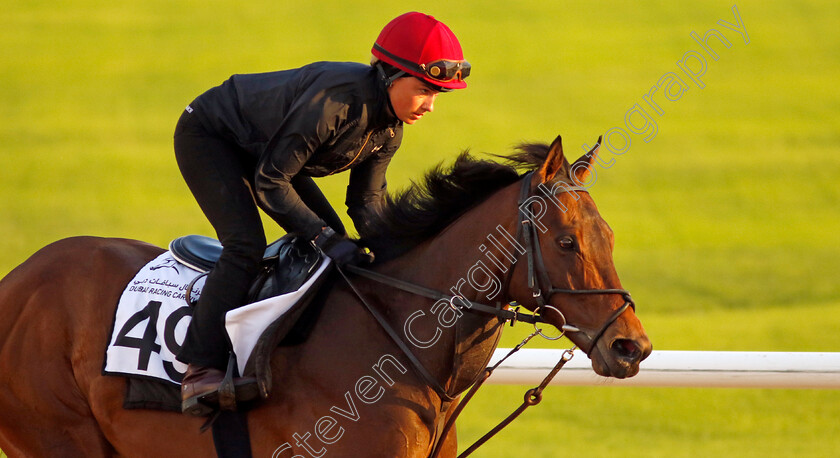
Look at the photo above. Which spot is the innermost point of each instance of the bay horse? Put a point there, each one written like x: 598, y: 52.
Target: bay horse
x: 347, y: 390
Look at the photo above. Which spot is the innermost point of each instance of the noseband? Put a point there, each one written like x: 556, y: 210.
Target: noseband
x: 538, y: 279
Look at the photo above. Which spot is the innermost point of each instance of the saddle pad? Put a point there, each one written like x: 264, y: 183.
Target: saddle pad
x: 151, y: 322
x: 152, y: 317
x: 246, y: 324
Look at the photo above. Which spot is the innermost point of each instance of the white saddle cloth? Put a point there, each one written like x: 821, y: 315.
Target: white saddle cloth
x: 152, y: 317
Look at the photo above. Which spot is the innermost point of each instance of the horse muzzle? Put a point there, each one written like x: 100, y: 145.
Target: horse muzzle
x: 620, y: 350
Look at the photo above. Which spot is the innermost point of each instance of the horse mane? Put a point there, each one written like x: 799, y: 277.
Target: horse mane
x: 413, y: 215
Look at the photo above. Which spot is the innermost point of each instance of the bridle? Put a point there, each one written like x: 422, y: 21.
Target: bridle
x: 538, y: 281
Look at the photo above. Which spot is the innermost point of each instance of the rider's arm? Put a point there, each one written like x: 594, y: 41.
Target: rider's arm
x: 307, y: 126
x: 367, y: 187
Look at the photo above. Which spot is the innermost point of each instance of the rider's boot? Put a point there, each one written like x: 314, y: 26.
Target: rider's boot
x: 200, y: 390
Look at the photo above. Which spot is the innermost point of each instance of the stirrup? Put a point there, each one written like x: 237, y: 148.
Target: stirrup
x: 230, y: 392
x: 199, y: 405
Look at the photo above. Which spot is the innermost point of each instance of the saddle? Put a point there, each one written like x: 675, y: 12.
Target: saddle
x: 287, y: 263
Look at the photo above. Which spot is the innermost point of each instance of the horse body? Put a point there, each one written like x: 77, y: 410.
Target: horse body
x: 55, y: 400
x: 58, y: 304
x: 346, y: 391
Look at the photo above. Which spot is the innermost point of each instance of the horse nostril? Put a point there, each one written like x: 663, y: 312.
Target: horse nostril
x: 626, y: 348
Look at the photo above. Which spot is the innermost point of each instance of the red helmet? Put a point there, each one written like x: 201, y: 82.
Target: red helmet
x: 422, y: 46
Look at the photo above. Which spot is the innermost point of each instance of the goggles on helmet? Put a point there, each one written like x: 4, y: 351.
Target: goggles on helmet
x: 442, y: 70
x: 446, y: 70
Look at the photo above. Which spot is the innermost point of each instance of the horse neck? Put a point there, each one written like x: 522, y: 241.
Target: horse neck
x: 455, y: 262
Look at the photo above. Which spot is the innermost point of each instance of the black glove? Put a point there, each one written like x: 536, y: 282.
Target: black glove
x: 339, y: 248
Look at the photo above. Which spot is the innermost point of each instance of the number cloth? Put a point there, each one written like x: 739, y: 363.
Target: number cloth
x: 152, y: 317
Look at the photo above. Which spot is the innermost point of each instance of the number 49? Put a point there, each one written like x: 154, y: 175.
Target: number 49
x: 148, y: 343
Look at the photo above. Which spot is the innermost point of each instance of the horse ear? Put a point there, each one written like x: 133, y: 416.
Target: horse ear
x: 555, y: 161
x: 583, y: 166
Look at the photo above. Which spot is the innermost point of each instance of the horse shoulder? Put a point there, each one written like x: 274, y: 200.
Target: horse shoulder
x: 347, y: 375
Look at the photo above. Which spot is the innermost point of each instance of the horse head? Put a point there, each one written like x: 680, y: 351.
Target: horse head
x: 569, y: 276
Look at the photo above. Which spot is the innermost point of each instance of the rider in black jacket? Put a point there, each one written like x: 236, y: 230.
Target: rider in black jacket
x: 316, y: 120
x: 257, y: 140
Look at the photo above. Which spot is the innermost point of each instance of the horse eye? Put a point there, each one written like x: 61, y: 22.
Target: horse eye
x: 566, y: 242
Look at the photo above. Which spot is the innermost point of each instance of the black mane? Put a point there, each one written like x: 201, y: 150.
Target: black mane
x: 425, y: 208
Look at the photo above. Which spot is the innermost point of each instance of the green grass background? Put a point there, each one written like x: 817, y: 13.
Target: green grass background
x: 727, y: 223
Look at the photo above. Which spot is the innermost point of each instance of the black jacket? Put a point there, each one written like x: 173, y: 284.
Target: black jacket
x: 316, y: 120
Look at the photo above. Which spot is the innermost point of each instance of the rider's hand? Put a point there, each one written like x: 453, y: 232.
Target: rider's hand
x: 339, y: 248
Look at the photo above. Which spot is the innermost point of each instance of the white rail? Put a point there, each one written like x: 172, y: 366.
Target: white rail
x: 700, y: 369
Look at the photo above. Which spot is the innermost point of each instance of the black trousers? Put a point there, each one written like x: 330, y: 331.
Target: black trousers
x: 219, y: 174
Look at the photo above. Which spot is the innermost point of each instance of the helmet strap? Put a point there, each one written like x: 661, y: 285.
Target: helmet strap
x: 389, y: 79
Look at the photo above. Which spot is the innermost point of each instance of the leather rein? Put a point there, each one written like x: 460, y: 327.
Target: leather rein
x: 538, y: 281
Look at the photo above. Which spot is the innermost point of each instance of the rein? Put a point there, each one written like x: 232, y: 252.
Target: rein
x: 504, y: 314
x: 394, y: 335
x: 538, y: 281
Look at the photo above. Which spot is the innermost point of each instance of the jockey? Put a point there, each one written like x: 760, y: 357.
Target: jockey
x: 257, y: 140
